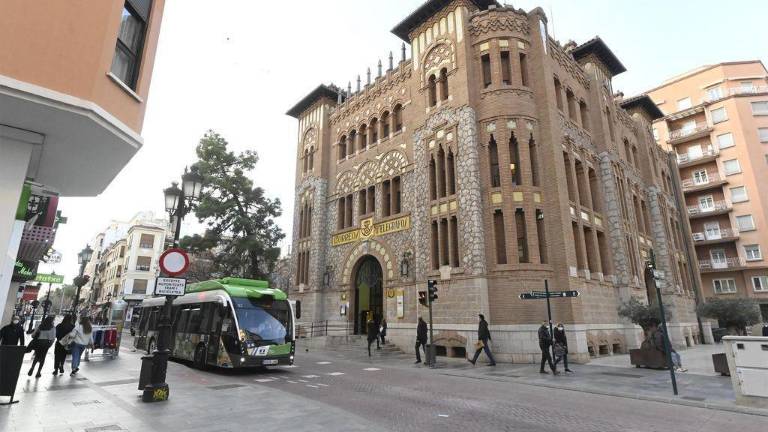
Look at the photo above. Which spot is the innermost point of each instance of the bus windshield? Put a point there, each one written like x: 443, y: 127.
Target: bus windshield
x: 264, y: 321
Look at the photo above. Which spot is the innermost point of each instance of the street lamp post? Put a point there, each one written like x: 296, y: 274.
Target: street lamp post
x: 178, y: 202
x: 82, y: 258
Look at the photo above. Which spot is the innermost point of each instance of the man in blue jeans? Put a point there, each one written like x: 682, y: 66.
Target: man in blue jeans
x: 484, y: 336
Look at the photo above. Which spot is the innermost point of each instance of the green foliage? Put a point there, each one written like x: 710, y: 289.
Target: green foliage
x: 646, y: 316
x: 241, y: 232
x: 734, y: 313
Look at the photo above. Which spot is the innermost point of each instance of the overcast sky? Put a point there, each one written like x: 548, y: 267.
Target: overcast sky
x: 236, y: 66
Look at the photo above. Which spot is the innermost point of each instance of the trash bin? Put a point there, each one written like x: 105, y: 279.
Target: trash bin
x: 145, y: 376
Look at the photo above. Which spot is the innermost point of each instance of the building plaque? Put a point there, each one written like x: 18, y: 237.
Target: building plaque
x: 368, y: 229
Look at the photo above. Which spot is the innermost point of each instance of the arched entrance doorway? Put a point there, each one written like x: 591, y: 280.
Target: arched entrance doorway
x: 369, y: 292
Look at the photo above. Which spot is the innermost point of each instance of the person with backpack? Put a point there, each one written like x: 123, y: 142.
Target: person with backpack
x: 81, y: 338
x: 421, y: 340
x: 42, y: 339
x: 60, y: 351
x: 545, y: 342
x: 483, y: 337
x: 12, y: 333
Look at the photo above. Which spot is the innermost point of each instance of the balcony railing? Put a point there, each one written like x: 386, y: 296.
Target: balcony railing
x: 720, y: 264
x: 685, y: 158
x: 717, y: 206
x: 682, y: 133
x: 142, y: 268
x: 722, y: 234
x: 748, y: 90
x: 712, y: 178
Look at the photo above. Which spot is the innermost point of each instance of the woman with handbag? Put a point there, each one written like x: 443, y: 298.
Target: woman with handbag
x: 82, y: 337
x: 42, y: 340
x: 561, y: 347
x: 60, y: 350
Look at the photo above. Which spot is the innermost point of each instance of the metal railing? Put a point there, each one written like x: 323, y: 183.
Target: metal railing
x: 686, y: 157
x: 682, y: 133
x: 726, y: 263
x: 723, y: 233
x: 748, y: 90
x: 716, y: 206
x: 323, y: 328
x: 690, y: 183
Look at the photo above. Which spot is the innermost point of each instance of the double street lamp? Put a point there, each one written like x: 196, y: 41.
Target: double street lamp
x: 178, y: 202
x: 82, y: 258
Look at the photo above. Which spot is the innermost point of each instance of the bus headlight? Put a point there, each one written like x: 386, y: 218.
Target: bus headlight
x: 242, y: 359
x: 242, y: 335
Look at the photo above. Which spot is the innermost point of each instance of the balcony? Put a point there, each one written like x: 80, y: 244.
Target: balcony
x: 142, y: 268
x: 752, y: 90
x: 35, y: 242
x: 712, y: 180
x: 687, y: 159
x: 708, y: 266
x: 723, y: 235
x: 687, y: 134
x: 716, y: 208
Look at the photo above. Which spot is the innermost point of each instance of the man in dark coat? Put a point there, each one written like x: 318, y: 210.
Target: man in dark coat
x: 13, y: 333
x: 765, y: 329
x: 483, y: 337
x: 421, y: 339
x: 561, y: 344
x: 545, y: 342
x: 373, y: 334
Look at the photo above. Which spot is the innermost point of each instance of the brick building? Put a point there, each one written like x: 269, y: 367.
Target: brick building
x: 716, y: 123
x: 493, y: 159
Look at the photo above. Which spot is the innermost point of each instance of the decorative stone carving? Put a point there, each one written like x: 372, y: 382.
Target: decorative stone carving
x: 441, y: 55
x: 567, y: 62
x: 497, y: 22
x: 370, y: 172
x: 518, y: 92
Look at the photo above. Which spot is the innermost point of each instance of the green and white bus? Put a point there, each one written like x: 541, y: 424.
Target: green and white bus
x: 228, y: 323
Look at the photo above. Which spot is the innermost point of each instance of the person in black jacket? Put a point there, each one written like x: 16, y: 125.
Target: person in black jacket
x: 765, y: 329
x: 12, y: 333
x: 373, y: 334
x: 561, y: 346
x: 383, y: 331
x: 545, y: 342
x: 483, y: 337
x: 60, y: 351
x: 421, y: 339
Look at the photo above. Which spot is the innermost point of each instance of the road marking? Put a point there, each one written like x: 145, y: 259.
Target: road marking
x: 265, y: 380
x: 324, y: 363
x: 371, y: 369
x: 321, y: 384
x: 313, y: 386
x: 304, y: 381
x: 310, y: 376
x: 336, y: 373
x: 442, y: 415
x: 292, y: 382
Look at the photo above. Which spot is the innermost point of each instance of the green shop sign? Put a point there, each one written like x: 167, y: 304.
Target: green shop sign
x: 24, y: 271
x: 52, y: 278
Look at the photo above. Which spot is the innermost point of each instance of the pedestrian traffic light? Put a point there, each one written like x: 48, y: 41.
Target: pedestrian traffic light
x: 432, y: 288
x: 423, y: 298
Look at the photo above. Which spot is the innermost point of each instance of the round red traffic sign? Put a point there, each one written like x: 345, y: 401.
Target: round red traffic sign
x: 174, y: 261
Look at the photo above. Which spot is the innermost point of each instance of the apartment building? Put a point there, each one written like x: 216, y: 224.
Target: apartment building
x: 492, y: 160
x: 74, y: 81
x: 716, y: 122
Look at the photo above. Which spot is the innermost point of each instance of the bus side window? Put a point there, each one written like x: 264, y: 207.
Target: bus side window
x: 181, y: 323
x: 216, y: 313
x: 155, y: 312
x: 195, y: 318
x: 143, y: 320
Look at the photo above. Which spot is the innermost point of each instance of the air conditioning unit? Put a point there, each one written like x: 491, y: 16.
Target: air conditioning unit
x: 698, y: 237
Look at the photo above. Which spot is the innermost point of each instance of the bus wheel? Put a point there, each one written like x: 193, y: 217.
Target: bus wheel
x: 151, y: 346
x: 200, y: 361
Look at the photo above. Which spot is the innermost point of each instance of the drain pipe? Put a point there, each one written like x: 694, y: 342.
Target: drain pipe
x: 672, y: 164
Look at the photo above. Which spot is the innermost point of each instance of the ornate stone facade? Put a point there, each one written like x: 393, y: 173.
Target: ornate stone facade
x: 492, y: 161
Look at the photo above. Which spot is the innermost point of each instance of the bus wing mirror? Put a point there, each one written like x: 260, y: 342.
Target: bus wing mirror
x: 298, y: 309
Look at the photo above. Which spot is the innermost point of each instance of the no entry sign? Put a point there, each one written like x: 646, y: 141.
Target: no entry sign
x: 174, y: 261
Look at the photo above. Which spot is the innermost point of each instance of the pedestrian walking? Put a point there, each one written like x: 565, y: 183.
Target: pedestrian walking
x: 383, y: 331
x: 545, y: 343
x: 60, y: 351
x: 483, y: 337
x: 561, y: 347
x: 765, y: 329
x: 373, y: 334
x: 12, y: 333
x: 82, y: 337
x: 658, y: 342
x: 421, y: 340
x: 42, y: 339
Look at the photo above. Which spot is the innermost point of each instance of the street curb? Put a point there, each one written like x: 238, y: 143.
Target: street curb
x: 660, y: 399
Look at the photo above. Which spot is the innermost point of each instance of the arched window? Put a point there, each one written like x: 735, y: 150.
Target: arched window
x: 584, y: 115
x: 441, y: 173
x: 451, y: 162
x: 571, y: 100
x: 374, y: 131
x: 385, y: 125
x: 363, y: 137
x: 352, y: 142
x: 432, y: 90
x: 558, y: 94
x: 534, y: 161
x: 304, y: 161
x: 311, y: 158
x: 397, y: 115
x: 432, y: 179
x: 493, y: 162
x: 514, y: 160
x: 444, y: 84
x: 343, y: 147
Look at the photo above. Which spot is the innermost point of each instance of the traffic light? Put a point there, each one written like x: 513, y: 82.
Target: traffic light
x: 423, y: 298
x: 432, y: 288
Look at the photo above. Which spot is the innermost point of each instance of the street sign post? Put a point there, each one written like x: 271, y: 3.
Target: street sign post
x: 174, y: 261
x: 547, y: 294
x: 168, y: 286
